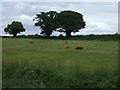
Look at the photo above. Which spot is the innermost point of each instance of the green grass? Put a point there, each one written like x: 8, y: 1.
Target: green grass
x: 47, y: 64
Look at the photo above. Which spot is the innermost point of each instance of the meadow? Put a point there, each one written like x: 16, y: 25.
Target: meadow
x: 47, y: 64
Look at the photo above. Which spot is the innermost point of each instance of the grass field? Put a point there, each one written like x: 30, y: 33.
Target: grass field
x: 47, y: 64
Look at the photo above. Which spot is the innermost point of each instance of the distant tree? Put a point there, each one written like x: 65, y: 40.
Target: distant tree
x: 46, y: 21
x: 116, y: 33
x: 14, y: 28
x: 70, y: 21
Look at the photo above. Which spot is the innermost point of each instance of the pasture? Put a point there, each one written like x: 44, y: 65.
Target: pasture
x: 41, y: 63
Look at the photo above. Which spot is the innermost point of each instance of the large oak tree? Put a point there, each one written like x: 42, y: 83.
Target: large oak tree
x: 46, y: 21
x: 70, y: 21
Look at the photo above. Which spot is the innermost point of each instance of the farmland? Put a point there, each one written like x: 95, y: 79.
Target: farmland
x: 47, y: 64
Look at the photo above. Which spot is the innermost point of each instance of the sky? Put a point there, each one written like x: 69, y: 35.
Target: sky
x: 100, y: 17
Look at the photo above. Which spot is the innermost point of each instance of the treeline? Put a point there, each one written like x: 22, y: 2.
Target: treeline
x: 64, y: 22
x: 105, y: 37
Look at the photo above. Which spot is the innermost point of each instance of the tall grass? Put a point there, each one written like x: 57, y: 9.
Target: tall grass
x: 47, y: 64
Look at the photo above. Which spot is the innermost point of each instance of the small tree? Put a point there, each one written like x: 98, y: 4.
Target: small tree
x: 14, y: 28
x: 46, y: 21
x: 70, y: 21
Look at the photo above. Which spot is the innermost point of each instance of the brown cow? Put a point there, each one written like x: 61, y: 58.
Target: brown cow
x: 66, y: 47
x: 78, y: 47
x: 31, y: 42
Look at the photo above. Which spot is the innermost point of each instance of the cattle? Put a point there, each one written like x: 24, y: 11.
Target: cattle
x: 66, y: 47
x: 79, y: 48
x: 31, y: 42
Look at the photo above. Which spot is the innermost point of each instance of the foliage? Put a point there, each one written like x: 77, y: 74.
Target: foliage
x: 34, y: 77
x: 46, y: 21
x: 14, y: 28
x: 65, y: 21
x: 70, y: 21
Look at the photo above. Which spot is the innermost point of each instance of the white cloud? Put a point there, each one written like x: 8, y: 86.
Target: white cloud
x: 32, y: 32
x: 24, y: 18
x: 19, y: 6
x: 0, y: 19
x: 98, y: 25
x: 60, y: 0
x: 36, y: 7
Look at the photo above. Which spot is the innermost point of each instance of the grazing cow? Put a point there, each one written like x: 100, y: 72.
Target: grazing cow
x: 31, y: 42
x: 66, y: 47
x: 79, y: 48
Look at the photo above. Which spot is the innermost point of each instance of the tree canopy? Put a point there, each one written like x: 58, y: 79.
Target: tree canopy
x: 14, y: 28
x: 70, y: 21
x: 65, y: 21
x: 46, y: 21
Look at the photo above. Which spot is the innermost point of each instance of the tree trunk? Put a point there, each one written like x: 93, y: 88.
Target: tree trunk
x: 14, y: 34
x: 48, y: 34
x: 68, y: 34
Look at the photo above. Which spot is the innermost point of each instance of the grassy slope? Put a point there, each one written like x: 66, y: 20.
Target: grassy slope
x: 50, y: 57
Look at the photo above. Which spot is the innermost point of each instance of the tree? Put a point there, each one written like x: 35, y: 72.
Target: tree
x: 14, y: 28
x: 70, y: 21
x: 46, y: 21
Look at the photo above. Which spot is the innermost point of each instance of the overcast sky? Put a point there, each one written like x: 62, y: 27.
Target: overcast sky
x: 100, y: 17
